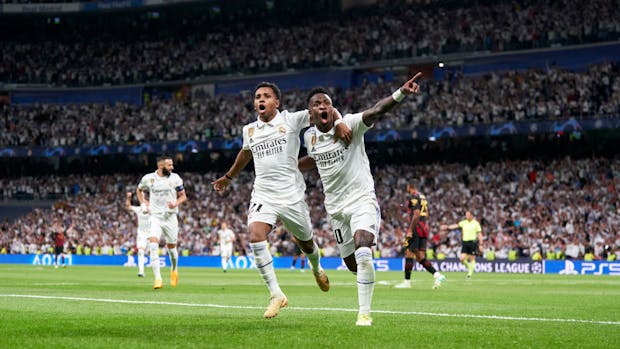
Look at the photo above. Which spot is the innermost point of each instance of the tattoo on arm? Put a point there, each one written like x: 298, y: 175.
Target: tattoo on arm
x: 383, y: 106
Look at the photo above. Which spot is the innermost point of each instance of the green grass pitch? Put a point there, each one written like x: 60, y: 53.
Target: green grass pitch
x: 110, y: 307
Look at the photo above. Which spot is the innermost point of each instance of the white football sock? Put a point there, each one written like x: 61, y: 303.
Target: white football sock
x: 141, y: 261
x: 224, y: 263
x: 365, y: 278
x: 264, y: 264
x: 174, y: 257
x: 154, y: 249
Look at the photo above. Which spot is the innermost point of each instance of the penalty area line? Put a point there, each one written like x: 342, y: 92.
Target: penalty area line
x: 419, y: 313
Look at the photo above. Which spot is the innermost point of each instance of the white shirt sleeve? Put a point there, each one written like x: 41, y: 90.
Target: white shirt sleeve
x: 307, y: 138
x: 356, y: 123
x: 246, y: 138
x: 144, y: 183
x: 177, y: 182
x: 299, y: 119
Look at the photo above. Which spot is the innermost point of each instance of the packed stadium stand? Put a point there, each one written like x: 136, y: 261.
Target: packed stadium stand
x: 534, y: 190
x: 156, y: 46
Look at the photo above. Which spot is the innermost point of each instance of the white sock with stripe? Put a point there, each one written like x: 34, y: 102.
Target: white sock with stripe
x: 365, y: 278
x: 264, y: 264
x: 173, y: 254
x: 154, y: 249
x: 141, y: 261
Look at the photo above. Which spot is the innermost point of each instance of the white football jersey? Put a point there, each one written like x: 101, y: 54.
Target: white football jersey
x: 226, y: 237
x: 344, y: 170
x: 275, y: 149
x: 162, y: 190
x: 143, y: 219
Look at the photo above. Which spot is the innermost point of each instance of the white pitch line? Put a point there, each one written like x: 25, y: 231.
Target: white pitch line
x: 208, y: 305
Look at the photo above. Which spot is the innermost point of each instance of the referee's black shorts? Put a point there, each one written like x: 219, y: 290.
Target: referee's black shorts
x: 470, y: 247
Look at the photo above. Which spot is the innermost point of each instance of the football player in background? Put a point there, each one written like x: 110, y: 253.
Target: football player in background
x: 298, y: 254
x: 59, y: 236
x: 143, y: 231
x: 227, y: 237
x: 417, y: 237
x: 166, y: 193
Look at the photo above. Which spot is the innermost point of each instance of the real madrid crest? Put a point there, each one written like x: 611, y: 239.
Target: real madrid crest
x: 250, y: 134
x: 313, y: 142
x: 282, y: 129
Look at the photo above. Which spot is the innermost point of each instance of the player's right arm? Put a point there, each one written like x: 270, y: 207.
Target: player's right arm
x: 371, y: 115
x: 450, y: 226
x: 243, y: 159
x: 128, y: 201
x: 144, y: 203
x: 306, y: 163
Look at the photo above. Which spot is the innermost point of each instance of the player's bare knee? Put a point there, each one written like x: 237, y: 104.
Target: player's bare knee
x: 306, y: 247
x: 364, y: 239
x: 351, y: 264
x: 259, y: 231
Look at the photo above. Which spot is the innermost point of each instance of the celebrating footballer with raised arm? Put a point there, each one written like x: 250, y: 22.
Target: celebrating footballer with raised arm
x: 349, y: 188
x: 272, y: 141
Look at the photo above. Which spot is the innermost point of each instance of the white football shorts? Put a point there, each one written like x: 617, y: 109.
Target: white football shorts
x: 167, y: 225
x: 142, y: 239
x: 362, y: 216
x: 295, y: 217
x: 226, y: 250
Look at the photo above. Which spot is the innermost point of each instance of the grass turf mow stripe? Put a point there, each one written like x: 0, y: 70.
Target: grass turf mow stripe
x: 493, y: 317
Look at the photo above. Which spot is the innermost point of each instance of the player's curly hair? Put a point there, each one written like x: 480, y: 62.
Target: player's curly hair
x: 272, y: 86
x: 315, y: 91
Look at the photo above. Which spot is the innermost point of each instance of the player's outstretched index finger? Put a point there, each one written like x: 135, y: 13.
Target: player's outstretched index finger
x: 415, y: 77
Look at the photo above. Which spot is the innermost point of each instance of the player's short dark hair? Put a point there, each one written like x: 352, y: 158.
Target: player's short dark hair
x: 163, y: 157
x: 272, y: 86
x: 316, y: 90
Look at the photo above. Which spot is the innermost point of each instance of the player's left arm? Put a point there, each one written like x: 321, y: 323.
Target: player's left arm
x: 128, y: 201
x: 181, y: 197
x: 306, y: 163
x: 480, y: 237
x: 414, y: 221
x: 371, y: 115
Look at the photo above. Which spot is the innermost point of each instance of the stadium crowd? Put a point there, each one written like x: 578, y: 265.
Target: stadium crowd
x: 196, y: 47
x: 494, y: 97
x: 566, y: 207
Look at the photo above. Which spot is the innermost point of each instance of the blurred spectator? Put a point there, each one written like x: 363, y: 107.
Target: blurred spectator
x: 496, y: 97
x: 198, y: 46
x: 561, y: 215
